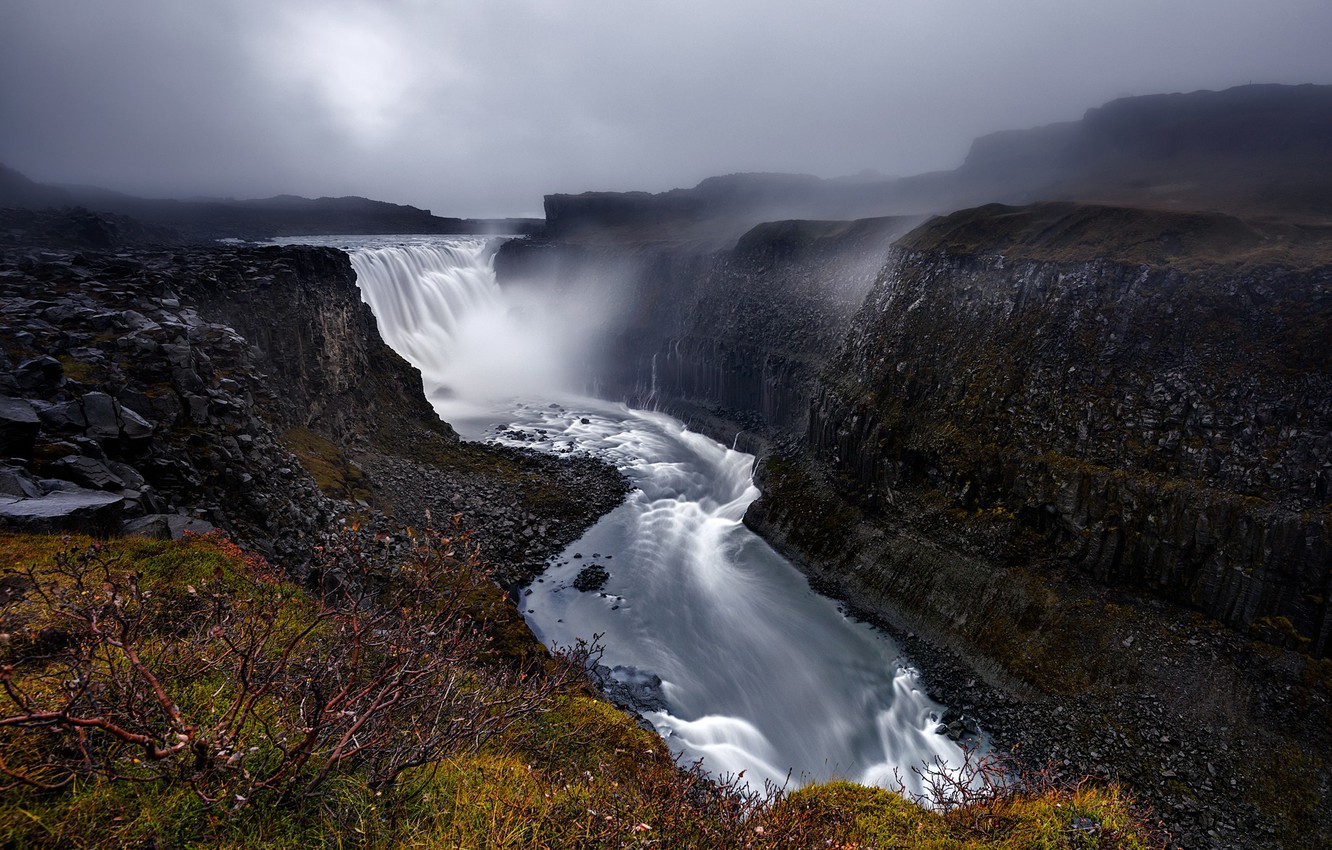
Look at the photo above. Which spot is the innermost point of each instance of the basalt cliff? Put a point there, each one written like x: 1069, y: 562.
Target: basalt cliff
x: 160, y: 389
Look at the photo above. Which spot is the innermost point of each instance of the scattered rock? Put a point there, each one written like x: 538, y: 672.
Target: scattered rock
x: 590, y: 578
x: 166, y: 526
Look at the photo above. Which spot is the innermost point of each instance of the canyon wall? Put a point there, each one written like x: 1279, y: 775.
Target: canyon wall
x: 1163, y: 421
x: 734, y: 333
x: 159, y: 389
x: 1143, y: 395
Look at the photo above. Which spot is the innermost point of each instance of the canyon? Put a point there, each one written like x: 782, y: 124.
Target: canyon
x: 1081, y: 447
x: 1074, y: 454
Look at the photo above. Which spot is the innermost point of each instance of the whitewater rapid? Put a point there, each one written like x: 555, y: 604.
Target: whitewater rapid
x: 758, y: 673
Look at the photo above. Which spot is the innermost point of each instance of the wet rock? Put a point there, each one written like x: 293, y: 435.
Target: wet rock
x: 108, y: 420
x: 16, y: 482
x: 42, y: 374
x: 98, y: 416
x: 88, y: 472
x: 593, y: 577
x: 630, y: 688
x: 64, y: 418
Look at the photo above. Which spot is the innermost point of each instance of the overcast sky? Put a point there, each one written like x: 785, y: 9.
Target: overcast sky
x: 481, y: 107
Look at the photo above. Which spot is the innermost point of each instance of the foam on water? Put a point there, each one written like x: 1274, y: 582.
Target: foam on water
x: 759, y: 673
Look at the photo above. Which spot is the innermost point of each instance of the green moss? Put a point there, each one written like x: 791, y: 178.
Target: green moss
x: 574, y: 773
x: 327, y: 465
x: 1091, y: 818
x: 1280, y: 631
x: 80, y: 370
x: 816, y: 521
x: 1284, y: 784
x: 871, y: 814
x: 578, y: 733
x: 510, y: 637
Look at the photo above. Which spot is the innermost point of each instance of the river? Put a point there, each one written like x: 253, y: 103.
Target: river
x: 757, y: 672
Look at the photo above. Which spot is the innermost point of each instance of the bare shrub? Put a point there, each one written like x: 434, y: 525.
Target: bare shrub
x: 244, y: 686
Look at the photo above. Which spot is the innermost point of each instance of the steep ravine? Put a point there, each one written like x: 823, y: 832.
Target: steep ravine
x: 732, y: 333
x: 1083, y: 448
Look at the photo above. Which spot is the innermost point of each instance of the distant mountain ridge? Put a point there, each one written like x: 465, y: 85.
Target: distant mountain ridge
x: 261, y: 218
x: 1262, y: 150
x: 1256, y: 149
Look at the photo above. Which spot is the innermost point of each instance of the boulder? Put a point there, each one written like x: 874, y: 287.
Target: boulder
x: 16, y: 482
x: 88, y: 472
x: 630, y: 688
x: 64, y: 418
x: 109, y: 420
x: 98, y: 416
x: 100, y: 410
x: 39, y: 374
x: 18, y: 427
x: 75, y: 509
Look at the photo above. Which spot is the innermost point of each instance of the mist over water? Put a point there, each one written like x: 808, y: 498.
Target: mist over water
x: 758, y: 673
x: 438, y: 306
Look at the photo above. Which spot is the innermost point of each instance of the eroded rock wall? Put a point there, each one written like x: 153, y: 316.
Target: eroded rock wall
x: 1167, y: 429
x: 733, y: 332
x: 142, y: 412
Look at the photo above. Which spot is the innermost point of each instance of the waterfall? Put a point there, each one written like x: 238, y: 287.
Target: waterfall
x: 757, y: 673
x: 438, y: 305
x: 420, y: 293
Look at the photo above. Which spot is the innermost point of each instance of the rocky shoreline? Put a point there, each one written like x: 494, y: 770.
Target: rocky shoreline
x: 1185, y: 777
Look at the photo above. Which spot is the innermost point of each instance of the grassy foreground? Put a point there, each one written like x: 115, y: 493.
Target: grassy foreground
x: 158, y: 694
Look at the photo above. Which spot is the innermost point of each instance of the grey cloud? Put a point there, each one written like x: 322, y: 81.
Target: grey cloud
x: 480, y: 108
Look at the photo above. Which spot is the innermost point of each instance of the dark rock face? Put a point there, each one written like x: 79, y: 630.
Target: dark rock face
x: 1166, y: 429
x: 739, y: 332
x: 174, y: 389
x: 142, y: 407
x: 769, y: 313
x: 300, y: 312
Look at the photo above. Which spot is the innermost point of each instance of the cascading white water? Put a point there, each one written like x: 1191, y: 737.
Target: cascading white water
x: 759, y: 674
x: 437, y: 305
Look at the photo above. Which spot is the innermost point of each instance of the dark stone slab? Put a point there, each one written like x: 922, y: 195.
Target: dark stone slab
x: 63, y: 510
